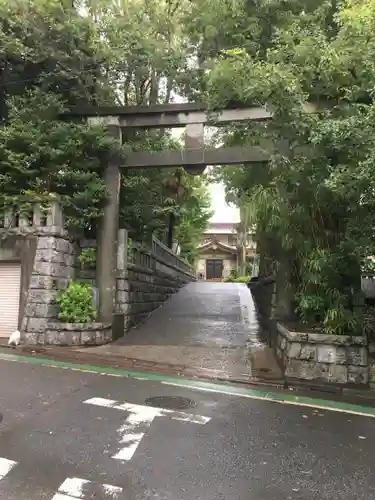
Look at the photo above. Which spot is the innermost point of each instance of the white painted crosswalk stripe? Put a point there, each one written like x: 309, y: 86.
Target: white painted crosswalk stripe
x: 139, y: 421
x: 75, y: 488
x: 72, y: 488
x: 5, y: 467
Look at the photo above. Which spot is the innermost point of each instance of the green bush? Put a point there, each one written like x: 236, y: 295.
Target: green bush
x: 87, y: 258
x: 238, y: 279
x: 76, y: 303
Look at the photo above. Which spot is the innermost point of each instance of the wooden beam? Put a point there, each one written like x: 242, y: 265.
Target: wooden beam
x: 193, y: 158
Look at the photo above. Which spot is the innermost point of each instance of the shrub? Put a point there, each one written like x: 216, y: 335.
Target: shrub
x: 238, y: 279
x: 87, y: 258
x: 76, y: 303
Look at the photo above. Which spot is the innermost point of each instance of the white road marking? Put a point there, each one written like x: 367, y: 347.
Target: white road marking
x: 5, y: 467
x: 146, y: 410
x: 139, y: 421
x: 74, y: 488
x: 270, y: 399
x: 132, y: 432
x: 107, y: 403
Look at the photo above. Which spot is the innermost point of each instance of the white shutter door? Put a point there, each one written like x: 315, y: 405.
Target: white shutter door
x: 10, y: 284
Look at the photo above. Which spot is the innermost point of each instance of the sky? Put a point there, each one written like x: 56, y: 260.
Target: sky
x: 223, y: 212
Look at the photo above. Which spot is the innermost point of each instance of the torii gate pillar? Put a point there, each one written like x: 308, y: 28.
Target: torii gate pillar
x: 106, y: 260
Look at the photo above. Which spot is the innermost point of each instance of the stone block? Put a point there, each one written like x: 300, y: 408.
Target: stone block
x: 30, y: 338
x: 69, y: 260
x: 291, y: 335
x: 326, y: 354
x: 122, y: 297
x: 296, y: 368
x: 54, y: 337
x: 51, y: 255
x: 338, y: 374
x: 88, y: 337
x: 36, y: 325
x: 372, y: 375
x: 42, y: 296
x: 308, y: 352
x: 122, y: 308
x: 359, y: 340
x: 44, y: 310
x: 46, y: 242
x: 358, y: 374
x: 294, y: 350
x: 122, y: 285
x: 54, y: 270
x: 108, y: 335
x: 320, y: 338
x: 357, y: 356
x: 44, y: 282
x: 341, y: 355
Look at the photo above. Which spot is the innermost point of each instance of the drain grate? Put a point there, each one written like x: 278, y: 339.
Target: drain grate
x: 171, y: 402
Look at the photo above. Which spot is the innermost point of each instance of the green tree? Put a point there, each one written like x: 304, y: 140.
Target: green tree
x: 54, y: 55
x: 313, y: 201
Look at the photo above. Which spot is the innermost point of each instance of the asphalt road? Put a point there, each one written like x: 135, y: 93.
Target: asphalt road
x: 69, y: 434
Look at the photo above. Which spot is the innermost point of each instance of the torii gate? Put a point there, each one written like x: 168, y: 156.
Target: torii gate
x: 194, y: 159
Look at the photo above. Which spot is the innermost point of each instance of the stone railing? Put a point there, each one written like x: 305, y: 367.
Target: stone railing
x: 167, y: 255
x: 49, y: 258
x: 35, y: 218
x: 368, y: 285
x: 147, y: 277
x: 139, y: 255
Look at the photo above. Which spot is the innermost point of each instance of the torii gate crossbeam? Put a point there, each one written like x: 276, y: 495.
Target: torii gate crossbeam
x: 194, y: 158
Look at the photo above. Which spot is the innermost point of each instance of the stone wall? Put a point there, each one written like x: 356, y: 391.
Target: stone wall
x: 144, y: 281
x: 147, y: 289
x: 67, y: 334
x: 54, y: 266
x: 146, y: 277
x: 339, y: 359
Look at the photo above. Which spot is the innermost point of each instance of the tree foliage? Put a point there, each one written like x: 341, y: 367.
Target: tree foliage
x: 313, y: 202
x: 56, y: 54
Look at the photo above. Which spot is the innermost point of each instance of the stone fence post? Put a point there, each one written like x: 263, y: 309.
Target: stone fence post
x: 53, y: 266
x: 122, y: 284
x: 122, y: 250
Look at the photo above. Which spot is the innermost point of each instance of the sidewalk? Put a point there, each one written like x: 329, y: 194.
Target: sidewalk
x: 207, y: 330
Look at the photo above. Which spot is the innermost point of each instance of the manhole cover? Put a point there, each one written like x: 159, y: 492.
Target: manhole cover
x: 170, y: 402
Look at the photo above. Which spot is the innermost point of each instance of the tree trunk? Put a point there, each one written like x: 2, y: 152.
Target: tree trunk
x: 170, y: 231
x: 284, y: 288
x: 241, y: 254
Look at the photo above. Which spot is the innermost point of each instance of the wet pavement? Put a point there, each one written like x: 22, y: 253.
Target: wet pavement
x: 69, y: 435
x: 207, y: 329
